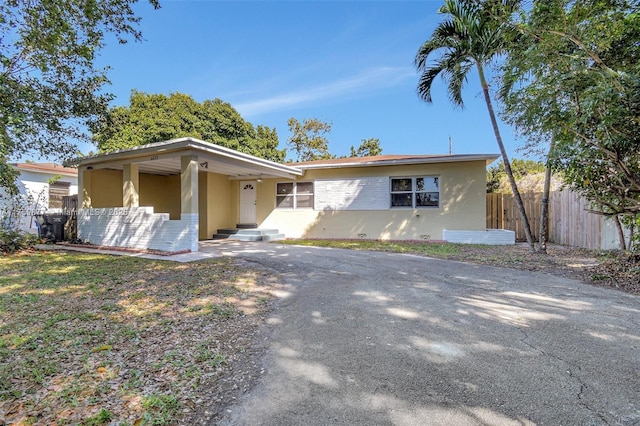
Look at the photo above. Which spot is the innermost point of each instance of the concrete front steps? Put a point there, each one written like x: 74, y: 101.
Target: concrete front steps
x: 249, y: 234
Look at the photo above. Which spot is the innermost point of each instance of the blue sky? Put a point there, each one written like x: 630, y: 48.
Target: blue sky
x: 346, y: 62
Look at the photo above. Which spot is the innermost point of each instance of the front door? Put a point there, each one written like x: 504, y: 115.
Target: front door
x: 248, y: 202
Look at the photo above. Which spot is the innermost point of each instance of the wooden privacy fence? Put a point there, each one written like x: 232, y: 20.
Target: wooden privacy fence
x: 570, y: 220
x: 502, y: 213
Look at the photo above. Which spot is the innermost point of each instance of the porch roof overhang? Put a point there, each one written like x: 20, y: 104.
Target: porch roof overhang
x: 163, y: 158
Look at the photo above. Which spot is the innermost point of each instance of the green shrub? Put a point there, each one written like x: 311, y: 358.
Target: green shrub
x: 12, y: 241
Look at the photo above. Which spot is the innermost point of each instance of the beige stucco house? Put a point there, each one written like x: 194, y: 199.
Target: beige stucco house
x: 169, y: 195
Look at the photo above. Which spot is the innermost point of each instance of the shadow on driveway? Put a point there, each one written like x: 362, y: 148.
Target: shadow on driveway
x: 365, y: 338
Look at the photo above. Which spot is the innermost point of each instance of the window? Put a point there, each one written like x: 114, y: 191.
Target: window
x: 57, y: 190
x: 294, y: 195
x: 415, y: 192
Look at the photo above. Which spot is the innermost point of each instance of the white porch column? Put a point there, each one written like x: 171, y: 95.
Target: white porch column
x: 189, y: 196
x: 130, y: 186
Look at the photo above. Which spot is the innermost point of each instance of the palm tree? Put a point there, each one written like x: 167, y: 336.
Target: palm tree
x: 472, y: 35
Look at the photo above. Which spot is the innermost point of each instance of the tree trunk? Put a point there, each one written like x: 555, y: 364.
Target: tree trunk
x: 505, y: 160
x: 623, y: 245
x: 544, y: 208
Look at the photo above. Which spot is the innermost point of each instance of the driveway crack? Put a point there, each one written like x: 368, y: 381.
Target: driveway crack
x: 570, y: 371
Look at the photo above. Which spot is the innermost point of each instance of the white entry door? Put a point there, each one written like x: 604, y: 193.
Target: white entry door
x: 248, y: 202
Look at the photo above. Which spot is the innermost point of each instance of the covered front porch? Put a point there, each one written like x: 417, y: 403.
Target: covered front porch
x: 168, y: 195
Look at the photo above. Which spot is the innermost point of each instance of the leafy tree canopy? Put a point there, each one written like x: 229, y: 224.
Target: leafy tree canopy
x: 308, y: 139
x: 155, y: 117
x: 497, y: 177
x: 368, y: 147
x: 576, y: 83
x: 50, y: 88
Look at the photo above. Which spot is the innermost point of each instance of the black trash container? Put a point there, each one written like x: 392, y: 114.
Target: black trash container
x: 53, y: 226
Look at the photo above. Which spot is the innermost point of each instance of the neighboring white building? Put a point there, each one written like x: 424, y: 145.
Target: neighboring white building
x: 41, y: 186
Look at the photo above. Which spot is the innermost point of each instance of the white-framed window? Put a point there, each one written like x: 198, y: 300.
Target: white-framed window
x: 294, y: 195
x: 415, y: 192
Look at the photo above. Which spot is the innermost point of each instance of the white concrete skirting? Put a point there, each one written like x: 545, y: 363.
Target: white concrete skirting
x: 139, y: 228
x: 495, y: 237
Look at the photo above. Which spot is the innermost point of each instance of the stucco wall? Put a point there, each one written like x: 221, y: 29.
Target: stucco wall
x: 214, y: 205
x: 160, y: 192
x: 157, y: 191
x: 234, y: 201
x: 462, y: 206
x: 105, y: 188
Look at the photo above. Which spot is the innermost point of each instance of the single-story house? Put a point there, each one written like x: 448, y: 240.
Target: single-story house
x: 41, y: 187
x: 169, y: 195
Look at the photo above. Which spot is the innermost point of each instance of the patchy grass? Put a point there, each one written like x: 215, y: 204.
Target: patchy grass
x: 616, y: 269
x: 94, y: 339
x: 435, y: 249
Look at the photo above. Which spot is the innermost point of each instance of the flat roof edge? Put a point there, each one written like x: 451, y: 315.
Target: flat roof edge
x: 488, y: 158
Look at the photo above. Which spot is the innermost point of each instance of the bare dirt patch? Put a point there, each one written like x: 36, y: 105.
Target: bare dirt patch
x: 617, y: 269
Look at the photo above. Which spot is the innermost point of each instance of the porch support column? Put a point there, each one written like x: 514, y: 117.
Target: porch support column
x: 189, y: 197
x: 130, y: 186
x: 189, y: 184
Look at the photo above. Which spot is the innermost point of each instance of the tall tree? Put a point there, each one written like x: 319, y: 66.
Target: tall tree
x: 156, y: 117
x: 470, y: 36
x: 308, y: 139
x: 50, y: 88
x: 575, y: 82
x: 368, y: 147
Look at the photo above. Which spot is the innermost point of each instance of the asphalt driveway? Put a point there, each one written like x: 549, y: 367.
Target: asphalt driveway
x: 364, y: 338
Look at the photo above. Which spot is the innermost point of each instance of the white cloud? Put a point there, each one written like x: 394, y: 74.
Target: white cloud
x: 364, y: 84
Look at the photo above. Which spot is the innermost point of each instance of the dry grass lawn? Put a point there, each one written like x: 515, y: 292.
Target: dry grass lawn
x: 95, y: 339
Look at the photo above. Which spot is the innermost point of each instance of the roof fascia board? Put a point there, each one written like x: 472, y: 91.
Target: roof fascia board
x: 245, y: 158
x: 174, y: 148
x: 264, y: 176
x: 254, y: 167
x: 133, y: 160
x: 456, y: 159
x: 129, y: 154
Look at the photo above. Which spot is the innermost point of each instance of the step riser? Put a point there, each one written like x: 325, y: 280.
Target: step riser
x: 246, y: 237
x: 252, y: 234
x: 246, y: 225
